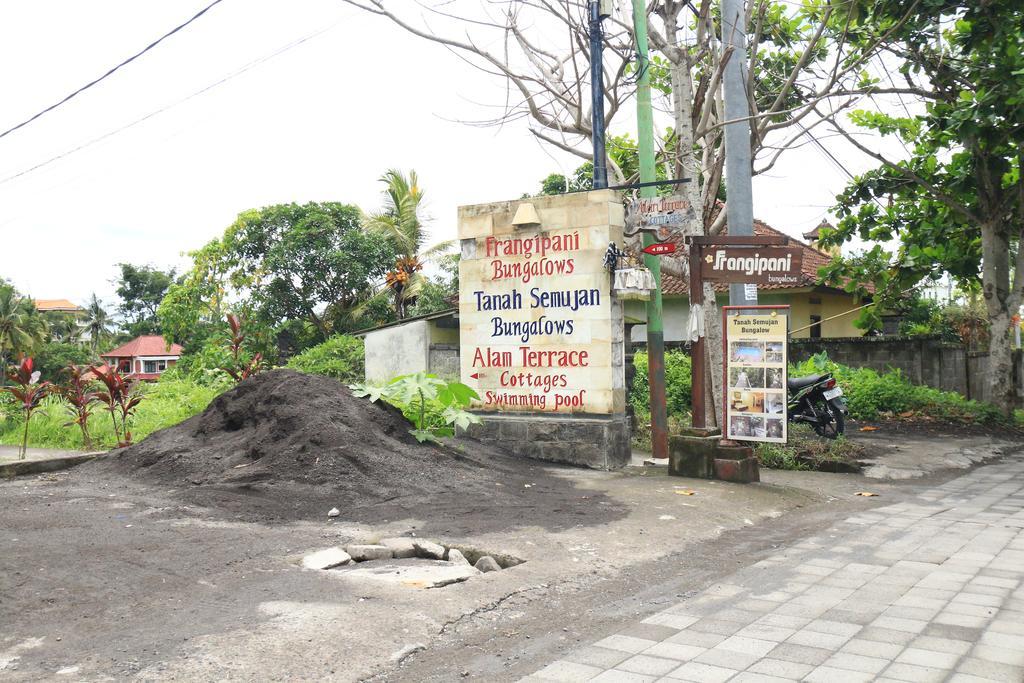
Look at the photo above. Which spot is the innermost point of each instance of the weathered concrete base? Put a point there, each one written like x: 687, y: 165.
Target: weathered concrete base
x: 704, y: 457
x: 598, y: 441
x: 742, y: 471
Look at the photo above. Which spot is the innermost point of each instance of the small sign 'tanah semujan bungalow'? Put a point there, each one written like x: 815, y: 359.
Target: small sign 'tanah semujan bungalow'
x: 755, y: 265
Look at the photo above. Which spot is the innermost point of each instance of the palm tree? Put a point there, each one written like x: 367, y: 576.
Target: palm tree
x: 400, y: 222
x: 97, y: 323
x: 22, y: 329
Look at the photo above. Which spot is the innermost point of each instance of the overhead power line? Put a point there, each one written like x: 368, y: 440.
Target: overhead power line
x: 111, y: 71
x: 211, y: 86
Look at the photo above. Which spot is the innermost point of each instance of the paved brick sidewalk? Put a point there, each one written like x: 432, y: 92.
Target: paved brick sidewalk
x: 927, y: 590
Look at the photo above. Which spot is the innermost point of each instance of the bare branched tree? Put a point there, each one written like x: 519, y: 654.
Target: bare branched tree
x: 800, y: 76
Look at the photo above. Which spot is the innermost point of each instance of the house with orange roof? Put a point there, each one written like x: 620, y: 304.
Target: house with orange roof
x: 57, y: 306
x: 143, y: 358
x: 811, y: 303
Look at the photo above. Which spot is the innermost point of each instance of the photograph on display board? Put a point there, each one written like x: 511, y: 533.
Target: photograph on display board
x: 774, y: 352
x: 746, y: 378
x: 774, y: 403
x: 746, y: 352
x: 746, y: 401
x: 774, y: 378
x: 774, y: 429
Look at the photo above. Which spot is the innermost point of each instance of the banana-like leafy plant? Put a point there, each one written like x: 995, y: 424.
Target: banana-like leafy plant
x: 118, y: 395
x: 77, y: 391
x: 29, y: 393
x: 240, y: 368
x: 447, y: 403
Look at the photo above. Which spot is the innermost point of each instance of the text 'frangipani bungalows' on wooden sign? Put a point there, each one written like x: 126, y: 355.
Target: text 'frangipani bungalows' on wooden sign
x: 535, y: 305
x: 756, y: 265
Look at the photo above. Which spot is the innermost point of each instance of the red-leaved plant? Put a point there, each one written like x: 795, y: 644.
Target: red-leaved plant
x: 120, y: 396
x: 29, y: 394
x: 78, y: 392
x: 239, y: 368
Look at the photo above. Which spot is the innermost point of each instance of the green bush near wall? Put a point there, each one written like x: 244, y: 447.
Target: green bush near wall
x: 341, y: 357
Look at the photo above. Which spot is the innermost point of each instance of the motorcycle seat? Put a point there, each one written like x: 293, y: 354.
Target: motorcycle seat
x: 797, y: 383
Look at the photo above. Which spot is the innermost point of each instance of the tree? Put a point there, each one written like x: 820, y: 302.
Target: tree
x: 311, y: 263
x: 141, y: 289
x: 22, y: 329
x: 800, y: 74
x: 400, y: 223
x: 441, y: 292
x: 955, y: 203
x: 97, y: 322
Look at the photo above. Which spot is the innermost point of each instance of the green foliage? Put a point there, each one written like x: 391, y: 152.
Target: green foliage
x: 141, y: 289
x: 806, y: 451
x: 166, y: 403
x: 22, y: 329
x: 678, y: 388
x: 311, y: 263
x: 52, y: 357
x: 204, y: 366
x: 436, y: 293
x: 435, y: 407
x: 870, y: 395
x: 340, y: 357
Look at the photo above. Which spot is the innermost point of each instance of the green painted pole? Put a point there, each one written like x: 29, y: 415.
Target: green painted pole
x: 655, y: 326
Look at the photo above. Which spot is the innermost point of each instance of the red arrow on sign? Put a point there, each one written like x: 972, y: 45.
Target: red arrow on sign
x: 657, y: 249
x: 475, y: 375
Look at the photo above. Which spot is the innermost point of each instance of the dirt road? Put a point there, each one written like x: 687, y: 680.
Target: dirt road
x: 101, y: 578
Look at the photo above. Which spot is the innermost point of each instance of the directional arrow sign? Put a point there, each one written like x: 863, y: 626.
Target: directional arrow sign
x: 475, y: 375
x: 658, y: 249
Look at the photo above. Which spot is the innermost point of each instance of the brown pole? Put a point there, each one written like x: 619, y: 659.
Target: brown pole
x: 697, y: 369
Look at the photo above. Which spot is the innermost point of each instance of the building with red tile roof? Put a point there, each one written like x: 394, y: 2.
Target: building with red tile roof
x: 811, y: 303
x: 144, y: 357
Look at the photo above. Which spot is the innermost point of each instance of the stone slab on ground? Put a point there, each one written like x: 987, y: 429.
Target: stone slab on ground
x: 328, y: 558
x: 411, y: 573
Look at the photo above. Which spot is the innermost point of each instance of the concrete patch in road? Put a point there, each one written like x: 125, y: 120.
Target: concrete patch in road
x: 411, y: 573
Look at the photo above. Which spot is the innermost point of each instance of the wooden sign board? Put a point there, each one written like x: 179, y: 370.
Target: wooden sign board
x: 659, y: 215
x: 755, y: 374
x: 754, y: 265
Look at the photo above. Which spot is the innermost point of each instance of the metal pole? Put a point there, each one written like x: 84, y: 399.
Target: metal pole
x: 597, y: 96
x: 655, y: 325
x: 739, y: 195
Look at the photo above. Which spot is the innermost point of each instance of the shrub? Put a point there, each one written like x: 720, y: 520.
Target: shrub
x: 870, y: 394
x: 167, y: 403
x: 340, y: 357
x: 677, y: 383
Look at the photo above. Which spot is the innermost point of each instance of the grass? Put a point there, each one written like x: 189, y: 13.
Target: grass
x: 805, y: 450
x: 166, y: 403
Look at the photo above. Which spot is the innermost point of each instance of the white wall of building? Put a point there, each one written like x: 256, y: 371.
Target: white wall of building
x: 397, y: 350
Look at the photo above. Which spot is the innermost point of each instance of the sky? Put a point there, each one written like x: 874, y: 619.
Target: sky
x: 321, y: 121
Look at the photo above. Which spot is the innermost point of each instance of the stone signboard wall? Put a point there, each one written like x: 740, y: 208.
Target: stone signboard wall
x: 541, y: 332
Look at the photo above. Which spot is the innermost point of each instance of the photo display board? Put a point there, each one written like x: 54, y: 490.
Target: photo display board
x: 755, y: 374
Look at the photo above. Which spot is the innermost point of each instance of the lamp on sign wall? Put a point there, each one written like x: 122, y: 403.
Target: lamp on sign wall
x: 526, y: 216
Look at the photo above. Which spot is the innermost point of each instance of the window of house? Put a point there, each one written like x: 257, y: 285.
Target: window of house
x: 125, y: 366
x: 815, y: 326
x: 154, y: 366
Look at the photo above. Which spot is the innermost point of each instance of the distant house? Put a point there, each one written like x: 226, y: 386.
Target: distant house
x: 57, y: 306
x: 144, y: 357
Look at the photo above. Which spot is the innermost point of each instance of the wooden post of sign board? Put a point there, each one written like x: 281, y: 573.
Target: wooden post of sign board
x: 697, y: 369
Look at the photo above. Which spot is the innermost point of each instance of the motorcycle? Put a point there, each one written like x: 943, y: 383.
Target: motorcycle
x: 818, y: 400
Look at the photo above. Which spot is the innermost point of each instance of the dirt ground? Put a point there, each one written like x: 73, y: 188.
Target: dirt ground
x: 106, y: 577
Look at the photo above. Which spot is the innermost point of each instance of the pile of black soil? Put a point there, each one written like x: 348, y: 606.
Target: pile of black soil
x: 287, y: 445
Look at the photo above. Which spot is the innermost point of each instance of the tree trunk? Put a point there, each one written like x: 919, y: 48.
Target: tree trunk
x: 1002, y: 304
